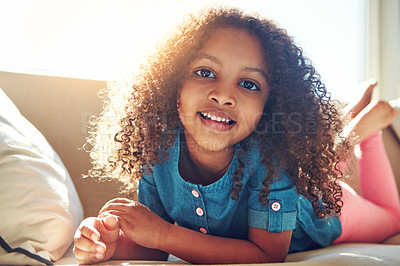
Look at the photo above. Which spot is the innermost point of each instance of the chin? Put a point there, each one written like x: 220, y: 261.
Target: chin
x: 215, y: 146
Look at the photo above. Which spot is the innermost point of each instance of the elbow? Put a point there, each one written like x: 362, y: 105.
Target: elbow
x: 279, y: 259
x: 275, y: 258
x: 268, y: 257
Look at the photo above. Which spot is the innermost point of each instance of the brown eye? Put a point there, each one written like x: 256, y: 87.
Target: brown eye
x: 248, y: 85
x: 205, y: 73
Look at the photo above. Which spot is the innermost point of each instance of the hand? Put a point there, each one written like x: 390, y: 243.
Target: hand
x: 96, y: 239
x: 137, y: 222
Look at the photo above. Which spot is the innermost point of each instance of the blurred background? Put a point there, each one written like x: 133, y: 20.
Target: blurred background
x: 348, y: 41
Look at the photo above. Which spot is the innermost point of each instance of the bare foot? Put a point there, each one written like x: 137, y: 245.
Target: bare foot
x: 367, y: 86
x: 374, y: 117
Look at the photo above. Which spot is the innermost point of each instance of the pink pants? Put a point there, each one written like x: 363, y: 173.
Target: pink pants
x: 375, y: 216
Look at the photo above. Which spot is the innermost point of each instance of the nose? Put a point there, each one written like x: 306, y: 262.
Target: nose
x: 223, y: 95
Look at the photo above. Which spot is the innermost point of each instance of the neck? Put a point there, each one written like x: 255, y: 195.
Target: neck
x: 202, y: 166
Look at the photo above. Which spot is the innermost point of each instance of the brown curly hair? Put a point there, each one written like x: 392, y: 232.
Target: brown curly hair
x: 300, y: 124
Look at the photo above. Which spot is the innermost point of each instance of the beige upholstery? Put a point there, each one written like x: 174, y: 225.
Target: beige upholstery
x: 60, y: 109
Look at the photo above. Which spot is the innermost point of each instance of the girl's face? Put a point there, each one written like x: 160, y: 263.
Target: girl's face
x: 222, y: 100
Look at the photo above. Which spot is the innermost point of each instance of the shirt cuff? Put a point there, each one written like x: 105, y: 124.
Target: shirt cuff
x: 274, y: 220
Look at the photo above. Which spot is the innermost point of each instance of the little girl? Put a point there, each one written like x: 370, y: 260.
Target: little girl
x: 233, y: 141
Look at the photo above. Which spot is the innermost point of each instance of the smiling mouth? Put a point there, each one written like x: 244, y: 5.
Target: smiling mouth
x: 217, y: 119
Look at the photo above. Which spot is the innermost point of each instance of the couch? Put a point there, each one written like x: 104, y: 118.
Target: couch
x: 60, y: 109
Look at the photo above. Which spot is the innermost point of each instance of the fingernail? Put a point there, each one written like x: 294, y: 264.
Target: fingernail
x: 95, y: 237
x: 110, y: 220
x: 99, y: 249
x: 99, y: 256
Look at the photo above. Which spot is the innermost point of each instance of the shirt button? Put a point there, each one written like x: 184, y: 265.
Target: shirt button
x: 276, y: 206
x: 199, y: 211
x: 195, y: 193
x: 203, y: 230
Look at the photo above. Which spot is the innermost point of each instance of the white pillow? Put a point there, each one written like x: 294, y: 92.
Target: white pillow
x: 39, y: 206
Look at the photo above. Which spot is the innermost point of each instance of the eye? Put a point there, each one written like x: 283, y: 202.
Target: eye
x: 205, y: 73
x: 249, y: 85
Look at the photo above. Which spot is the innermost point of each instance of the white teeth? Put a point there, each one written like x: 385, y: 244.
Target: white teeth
x: 214, y: 118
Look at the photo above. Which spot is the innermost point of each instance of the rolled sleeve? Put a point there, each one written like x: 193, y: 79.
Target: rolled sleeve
x: 280, y: 213
x: 148, y: 195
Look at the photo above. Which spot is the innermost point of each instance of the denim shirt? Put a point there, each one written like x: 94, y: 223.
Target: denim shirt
x: 210, y: 209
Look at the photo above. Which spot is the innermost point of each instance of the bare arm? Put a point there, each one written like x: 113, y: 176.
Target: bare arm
x: 127, y: 250
x: 144, y: 227
x: 196, y: 247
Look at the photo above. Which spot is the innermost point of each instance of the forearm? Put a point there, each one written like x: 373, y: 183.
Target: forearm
x: 129, y: 250
x: 196, y: 247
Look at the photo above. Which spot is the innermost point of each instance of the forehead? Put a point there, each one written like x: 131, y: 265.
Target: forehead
x: 235, y: 44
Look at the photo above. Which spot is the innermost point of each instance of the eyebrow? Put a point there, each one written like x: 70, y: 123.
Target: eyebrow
x: 257, y: 70
x: 209, y: 57
x: 216, y: 60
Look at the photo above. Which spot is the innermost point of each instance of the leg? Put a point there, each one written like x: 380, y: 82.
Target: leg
x: 376, y: 176
x: 373, y: 117
x: 350, y: 165
x: 368, y: 86
x: 376, y: 215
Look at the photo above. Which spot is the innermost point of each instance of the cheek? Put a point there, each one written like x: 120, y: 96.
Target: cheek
x: 256, y: 115
x: 186, y: 109
x: 257, y: 119
x: 183, y: 104
x: 182, y: 99
x: 258, y: 109
x: 255, y: 123
x: 250, y: 120
x: 190, y: 98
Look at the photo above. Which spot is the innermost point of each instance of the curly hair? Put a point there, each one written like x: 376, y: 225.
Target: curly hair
x: 300, y: 124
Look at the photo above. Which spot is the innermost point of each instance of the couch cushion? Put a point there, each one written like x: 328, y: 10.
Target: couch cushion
x: 39, y: 206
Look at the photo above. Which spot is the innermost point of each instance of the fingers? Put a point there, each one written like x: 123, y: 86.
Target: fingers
x: 116, y: 206
x: 125, y: 207
x: 84, y: 257
x: 87, y: 229
x: 110, y: 229
x: 86, y: 249
x: 119, y: 200
x: 88, y: 245
x: 110, y: 222
x: 123, y: 223
x: 123, y: 218
x: 94, y: 237
x: 116, y: 200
